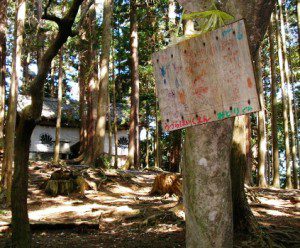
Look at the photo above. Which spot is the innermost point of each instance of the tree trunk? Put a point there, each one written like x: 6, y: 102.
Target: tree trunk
x: 40, y: 38
x: 256, y: 14
x: 82, y: 103
x: 243, y: 219
x: 275, y: 150
x: 262, y: 139
x: 206, y: 185
x: 104, y: 81
x: 289, y: 96
x: 92, y: 85
x: 285, y: 108
x: 28, y: 118
x: 13, y: 98
x: 115, y: 111
x: 134, y: 133
x: 3, y: 28
x: 59, y: 110
x: 249, y: 156
x: 157, y: 146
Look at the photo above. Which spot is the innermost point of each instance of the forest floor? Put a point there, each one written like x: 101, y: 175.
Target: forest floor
x: 129, y: 217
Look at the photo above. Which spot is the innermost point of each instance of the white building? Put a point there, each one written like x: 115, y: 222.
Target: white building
x: 43, y: 136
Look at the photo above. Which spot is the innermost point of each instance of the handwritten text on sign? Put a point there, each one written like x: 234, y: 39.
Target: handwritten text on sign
x: 205, y: 79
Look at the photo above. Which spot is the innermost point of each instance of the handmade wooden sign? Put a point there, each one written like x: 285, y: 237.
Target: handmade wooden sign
x: 206, y: 78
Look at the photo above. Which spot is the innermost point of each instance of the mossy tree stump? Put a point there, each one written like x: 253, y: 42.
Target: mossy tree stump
x: 64, y: 182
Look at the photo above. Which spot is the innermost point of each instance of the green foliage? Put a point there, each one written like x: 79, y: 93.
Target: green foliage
x: 210, y: 19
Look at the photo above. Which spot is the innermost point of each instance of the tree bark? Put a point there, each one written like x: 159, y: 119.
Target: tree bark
x: 28, y: 118
x: 262, y: 139
x: 256, y: 14
x: 157, y: 146
x: 115, y: 113
x: 275, y: 150
x: 92, y: 85
x: 134, y: 134
x: 82, y: 104
x: 284, y: 106
x: 207, y: 186
x: 289, y: 96
x: 3, y: 29
x: 59, y: 110
x: 104, y: 81
x: 13, y: 97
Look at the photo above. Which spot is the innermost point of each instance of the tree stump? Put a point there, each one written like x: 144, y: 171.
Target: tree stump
x: 167, y: 183
x: 64, y: 182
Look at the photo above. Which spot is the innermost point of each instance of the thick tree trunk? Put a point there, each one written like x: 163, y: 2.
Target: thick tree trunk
x: 13, y: 97
x: 3, y: 28
x: 28, y: 117
x: 262, y: 139
x: 92, y: 84
x: 207, y: 186
x: 275, y: 150
x: 256, y: 14
x: 104, y: 81
x: 134, y: 133
x: 59, y: 110
x: 243, y: 219
x: 284, y: 107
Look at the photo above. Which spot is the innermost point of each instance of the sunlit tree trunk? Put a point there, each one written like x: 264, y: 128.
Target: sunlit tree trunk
x: 13, y: 97
x: 109, y: 128
x: 262, y: 139
x: 284, y: 106
x: 275, y: 150
x: 104, y: 81
x: 82, y: 104
x: 115, y: 112
x: 289, y: 96
x: 52, y: 76
x: 41, y: 37
x: 3, y: 29
x: 134, y: 133
x: 59, y: 110
x: 91, y: 78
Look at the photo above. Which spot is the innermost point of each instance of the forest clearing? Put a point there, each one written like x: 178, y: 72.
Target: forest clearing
x: 73, y: 221
x: 156, y: 123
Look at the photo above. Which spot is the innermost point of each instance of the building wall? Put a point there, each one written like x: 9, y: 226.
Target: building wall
x: 69, y: 137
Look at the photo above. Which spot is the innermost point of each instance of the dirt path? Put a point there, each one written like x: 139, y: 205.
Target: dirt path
x: 121, y: 205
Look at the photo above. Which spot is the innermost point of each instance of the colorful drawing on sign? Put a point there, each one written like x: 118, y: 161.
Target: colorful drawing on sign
x: 206, y: 78
x: 186, y: 123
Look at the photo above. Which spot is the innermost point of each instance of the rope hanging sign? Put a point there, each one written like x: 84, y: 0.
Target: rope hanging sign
x: 207, y: 78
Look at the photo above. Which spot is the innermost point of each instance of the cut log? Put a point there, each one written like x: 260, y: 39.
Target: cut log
x: 167, y: 183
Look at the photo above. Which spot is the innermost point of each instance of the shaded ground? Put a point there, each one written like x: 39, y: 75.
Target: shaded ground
x: 122, y: 206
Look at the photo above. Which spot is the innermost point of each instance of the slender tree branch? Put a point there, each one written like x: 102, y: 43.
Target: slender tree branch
x: 49, y: 17
x: 53, y: 18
